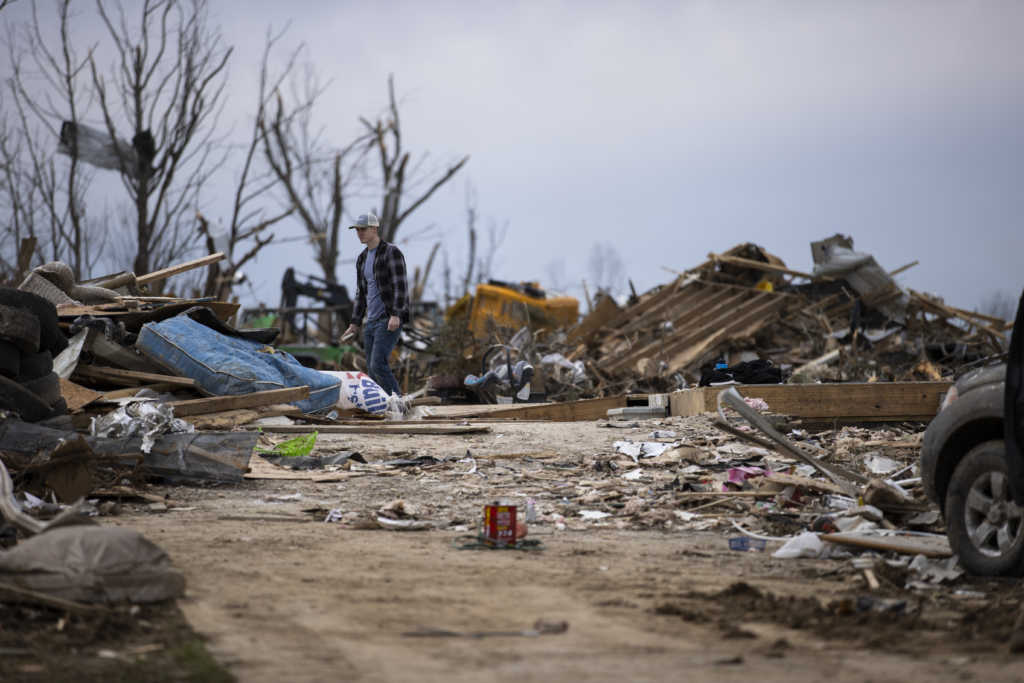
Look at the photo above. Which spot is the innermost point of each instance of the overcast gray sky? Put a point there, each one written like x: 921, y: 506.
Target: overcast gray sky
x: 672, y: 129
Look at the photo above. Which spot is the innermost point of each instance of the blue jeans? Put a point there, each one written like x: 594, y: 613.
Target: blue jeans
x: 378, y: 343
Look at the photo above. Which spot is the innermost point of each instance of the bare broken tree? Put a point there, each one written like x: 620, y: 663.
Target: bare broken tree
x: 46, y: 194
x: 399, y: 182
x: 315, y: 177
x: 249, y: 221
x: 167, y: 94
x: 470, y: 239
x: 606, y: 268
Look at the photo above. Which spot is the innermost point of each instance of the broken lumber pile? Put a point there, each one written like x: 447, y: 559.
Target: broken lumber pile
x: 844, y: 320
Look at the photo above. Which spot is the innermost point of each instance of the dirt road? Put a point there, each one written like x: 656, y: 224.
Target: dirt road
x: 281, y: 595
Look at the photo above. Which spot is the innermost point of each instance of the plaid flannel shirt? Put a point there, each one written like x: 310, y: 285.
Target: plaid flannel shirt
x: 389, y: 271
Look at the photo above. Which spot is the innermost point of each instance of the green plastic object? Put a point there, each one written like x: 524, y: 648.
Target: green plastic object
x: 292, y: 448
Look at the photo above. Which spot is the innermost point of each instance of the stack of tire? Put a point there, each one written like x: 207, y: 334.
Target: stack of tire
x: 29, y: 340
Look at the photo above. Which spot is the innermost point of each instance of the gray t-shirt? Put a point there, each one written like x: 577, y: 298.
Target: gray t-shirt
x: 374, y: 305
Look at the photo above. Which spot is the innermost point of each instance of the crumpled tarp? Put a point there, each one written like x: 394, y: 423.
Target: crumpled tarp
x: 225, y: 365
x: 92, y: 564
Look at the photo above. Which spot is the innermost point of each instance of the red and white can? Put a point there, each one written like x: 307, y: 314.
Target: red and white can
x: 499, y: 526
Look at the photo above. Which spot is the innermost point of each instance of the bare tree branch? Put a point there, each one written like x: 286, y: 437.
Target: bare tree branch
x: 169, y: 86
x: 387, y: 137
x: 47, y: 197
x: 316, y: 179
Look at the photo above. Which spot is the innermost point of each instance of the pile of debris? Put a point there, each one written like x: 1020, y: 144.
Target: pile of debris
x: 89, y: 404
x: 848, y: 321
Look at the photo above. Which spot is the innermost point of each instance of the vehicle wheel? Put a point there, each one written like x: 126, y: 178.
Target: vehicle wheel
x: 19, y: 327
x: 50, y: 336
x: 35, y: 365
x: 984, y: 525
x: 10, y: 359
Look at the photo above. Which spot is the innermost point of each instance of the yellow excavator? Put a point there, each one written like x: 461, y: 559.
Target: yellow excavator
x: 513, y: 305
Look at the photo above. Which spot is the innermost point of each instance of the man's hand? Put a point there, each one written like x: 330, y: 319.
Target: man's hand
x: 394, y: 322
x: 350, y: 332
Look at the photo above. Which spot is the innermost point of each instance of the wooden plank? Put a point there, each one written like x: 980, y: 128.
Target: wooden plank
x: 135, y: 319
x: 865, y: 401
x: 165, y: 273
x: 378, y: 429
x: 119, y: 376
x: 686, y: 402
x: 929, y: 546
x: 908, y: 266
x: 572, y: 411
x: 768, y: 267
x: 217, y: 404
x: 77, y: 396
x: 235, y: 418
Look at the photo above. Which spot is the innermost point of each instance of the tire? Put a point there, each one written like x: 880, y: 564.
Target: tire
x: 34, y: 366
x: 50, y: 336
x: 984, y: 525
x: 47, y: 388
x: 10, y: 359
x: 18, y: 399
x: 19, y: 327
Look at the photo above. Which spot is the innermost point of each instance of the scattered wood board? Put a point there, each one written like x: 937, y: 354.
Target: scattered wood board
x: 853, y: 401
x: 379, y: 429
x: 133, y: 320
x: 234, y: 418
x: 165, y: 273
x: 929, y: 546
x: 77, y: 396
x: 130, y: 377
x: 572, y: 411
x: 537, y: 455
x: 216, y: 404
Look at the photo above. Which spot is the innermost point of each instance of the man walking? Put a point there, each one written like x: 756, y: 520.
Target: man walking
x: 382, y: 296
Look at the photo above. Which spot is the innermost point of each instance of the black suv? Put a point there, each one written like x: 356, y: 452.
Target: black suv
x: 972, y: 463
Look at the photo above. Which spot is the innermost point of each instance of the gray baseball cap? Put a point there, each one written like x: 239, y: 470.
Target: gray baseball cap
x: 366, y: 220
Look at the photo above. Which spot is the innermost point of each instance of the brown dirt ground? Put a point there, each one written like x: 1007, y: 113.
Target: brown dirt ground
x: 281, y: 596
